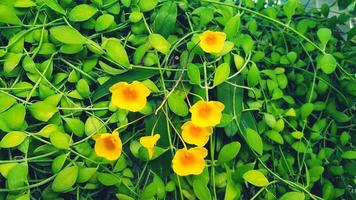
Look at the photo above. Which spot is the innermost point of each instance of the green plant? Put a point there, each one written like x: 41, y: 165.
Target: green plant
x: 285, y: 75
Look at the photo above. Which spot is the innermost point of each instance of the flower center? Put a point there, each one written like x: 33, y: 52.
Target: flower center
x: 130, y: 93
x: 195, y: 131
x: 205, y: 111
x: 187, y: 158
x: 109, y: 143
x: 210, y: 39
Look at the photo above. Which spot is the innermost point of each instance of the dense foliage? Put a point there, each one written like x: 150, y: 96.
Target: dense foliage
x: 286, y: 77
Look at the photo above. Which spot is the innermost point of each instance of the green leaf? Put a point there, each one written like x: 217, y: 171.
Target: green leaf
x: 293, y: 196
x: 42, y: 110
x: 269, y: 120
x: 58, y: 163
x: 108, y: 179
x: 349, y: 155
x: 165, y: 20
x: 177, y: 104
x: 75, y: 125
x: 254, y: 140
x: 222, y: 72
x: 104, y: 22
x: 8, y: 16
x: 117, y: 51
x: 17, y: 176
x: 11, y: 61
x: 128, y: 76
x: 82, y: 12
x: 85, y: 174
x: 256, y: 178
x: 158, y: 42
x: 60, y: 140
x: 12, y: 139
x: 201, y: 190
x: 24, y: 4
x: 253, y: 75
x: 52, y: 4
x: 193, y: 73
x: 6, y: 102
x: 232, y: 27
x: 247, y: 43
x: 65, y: 179
x: 299, y: 146
x: 306, y: 110
x: 275, y: 136
x: 327, y: 63
x: 67, y: 35
x: 83, y: 88
x: 147, y: 5
x: 324, y: 35
x: 94, y: 126
x: 290, y: 7
x: 229, y: 152
x: 15, y: 117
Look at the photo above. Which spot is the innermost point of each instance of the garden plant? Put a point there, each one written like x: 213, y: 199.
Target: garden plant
x: 177, y: 99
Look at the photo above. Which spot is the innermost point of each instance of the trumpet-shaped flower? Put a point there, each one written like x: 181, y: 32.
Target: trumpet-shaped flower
x: 206, y: 113
x: 196, y: 135
x: 108, y: 145
x: 132, y: 97
x: 212, y: 41
x: 189, y: 161
x: 149, y: 143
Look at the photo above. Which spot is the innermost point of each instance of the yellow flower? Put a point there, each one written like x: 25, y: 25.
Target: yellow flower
x: 189, y: 161
x: 132, y: 97
x: 108, y: 145
x: 149, y: 143
x: 212, y: 42
x: 196, y: 135
x: 206, y: 113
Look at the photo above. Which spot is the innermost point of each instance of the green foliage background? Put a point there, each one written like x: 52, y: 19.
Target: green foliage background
x: 286, y: 77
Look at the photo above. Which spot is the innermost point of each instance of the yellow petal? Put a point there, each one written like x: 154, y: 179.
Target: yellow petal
x: 195, y: 135
x: 206, y: 113
x: 108, y: 146
x: 212, y: 42
x: 189, y: 162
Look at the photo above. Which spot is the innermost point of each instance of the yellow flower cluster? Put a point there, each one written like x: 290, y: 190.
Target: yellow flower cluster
x: 205, y: 115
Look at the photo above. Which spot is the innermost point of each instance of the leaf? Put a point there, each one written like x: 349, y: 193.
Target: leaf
x: 117, y: 52
x: 75, y: 125
x: 17, y: 176
x: 147, y: 5
x: 201, y: 190
x: 327, y: 63
x: 253, y: 75
x: 293, y: 196
x: 6, y: 102
x: 254, y: 140
x: 193, y: 73
x: 269, y: 120
x: 11, y: 61
x: 108, y: 179
x: 299, y: 146
x: 128, y: 76
x: 67, y: 35
x: 349, y: 155
x: 256, y: 178
x: 222, y: 72
x: 83, y: 88
x: 229, y: 152
x: 85, y: 174
x: 275, y: 136
x: 15, y: 117
x: 158, y: 42
x: 94, y: 126
x: 233, y: 190
x: 324, y: 35
x: 103, y: 22
x: 8, y: 16
x: 65, y: 179
x: 52, y: 4
x: 24, y: 4
x: 58, y: 163
x: 165, y: 20
x: 306, y: 110
x: 42, y: 110
x: 82, y: 12
x: 290, y: 7
x: 12, y: 139
x: 232, y: 27
x: 247, y: 43
x: 177, y: 104
x: 60, y: 140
